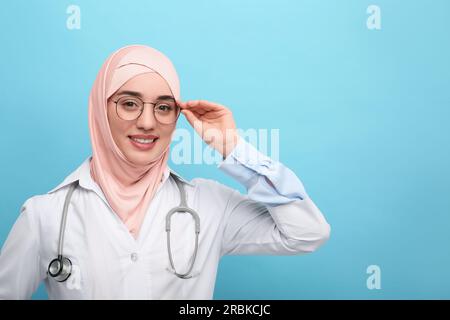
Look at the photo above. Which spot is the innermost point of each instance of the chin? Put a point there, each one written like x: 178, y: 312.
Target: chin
x: 142, y: 158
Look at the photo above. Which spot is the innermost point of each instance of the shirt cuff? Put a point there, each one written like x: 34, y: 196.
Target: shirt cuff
x: 235, y: 164
x: 264, y: 178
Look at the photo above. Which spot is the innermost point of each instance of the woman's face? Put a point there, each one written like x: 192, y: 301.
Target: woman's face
x: 148, y: 86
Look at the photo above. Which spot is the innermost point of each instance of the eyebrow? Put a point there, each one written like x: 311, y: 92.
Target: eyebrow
x: 138, y: 94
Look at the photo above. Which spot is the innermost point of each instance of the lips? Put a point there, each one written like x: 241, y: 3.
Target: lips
x: 143, y: 136
x: 142, y: 140
x: 143, y: 143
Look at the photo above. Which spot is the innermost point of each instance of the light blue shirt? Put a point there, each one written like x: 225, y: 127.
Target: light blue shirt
x: 267, y: 181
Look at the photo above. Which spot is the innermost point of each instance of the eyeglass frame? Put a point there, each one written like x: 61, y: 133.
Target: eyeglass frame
x: 142, y: 109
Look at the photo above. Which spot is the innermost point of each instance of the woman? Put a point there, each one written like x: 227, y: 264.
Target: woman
x: 112, y: 243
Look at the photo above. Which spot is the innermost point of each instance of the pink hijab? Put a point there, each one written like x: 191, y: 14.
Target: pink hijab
x: 129, y: 188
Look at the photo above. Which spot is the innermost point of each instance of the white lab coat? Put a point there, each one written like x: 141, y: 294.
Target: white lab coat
x: 108, y: 263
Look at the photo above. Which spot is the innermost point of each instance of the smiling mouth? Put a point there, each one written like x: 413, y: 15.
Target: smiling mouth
x: 143, y: 144
x: 143, y: 141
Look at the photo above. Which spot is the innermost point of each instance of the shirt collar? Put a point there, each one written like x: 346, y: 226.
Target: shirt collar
x: 83, y: 175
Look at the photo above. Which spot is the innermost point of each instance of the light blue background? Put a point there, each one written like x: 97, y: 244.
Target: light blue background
x: 363, y: 118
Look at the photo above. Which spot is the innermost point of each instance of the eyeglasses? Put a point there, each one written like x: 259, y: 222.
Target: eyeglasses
x: 130, y: 108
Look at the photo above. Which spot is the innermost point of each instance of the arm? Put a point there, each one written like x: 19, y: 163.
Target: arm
x: 276, y: 216
x: 19, y: 259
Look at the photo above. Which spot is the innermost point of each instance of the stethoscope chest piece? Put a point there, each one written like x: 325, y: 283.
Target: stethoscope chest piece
x: 60, y: 268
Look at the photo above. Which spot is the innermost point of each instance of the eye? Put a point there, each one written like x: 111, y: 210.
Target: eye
x: 164, y: 107
x: 129, y: 104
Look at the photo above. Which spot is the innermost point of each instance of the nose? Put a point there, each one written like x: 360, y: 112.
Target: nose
x: 147, y: 119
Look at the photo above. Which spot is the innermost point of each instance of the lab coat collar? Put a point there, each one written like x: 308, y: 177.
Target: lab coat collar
x: 83, y: 175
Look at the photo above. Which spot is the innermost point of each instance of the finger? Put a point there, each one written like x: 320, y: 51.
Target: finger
x: 180, y: 103
x: 204, y: 104
x: 191, y: 118
x: 196, y: 111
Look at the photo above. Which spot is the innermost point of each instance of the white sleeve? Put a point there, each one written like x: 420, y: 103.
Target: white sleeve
x: 19, y: 258
x: 252, y: 228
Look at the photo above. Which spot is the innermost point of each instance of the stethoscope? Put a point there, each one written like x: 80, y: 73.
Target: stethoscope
x: 61, y: 268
